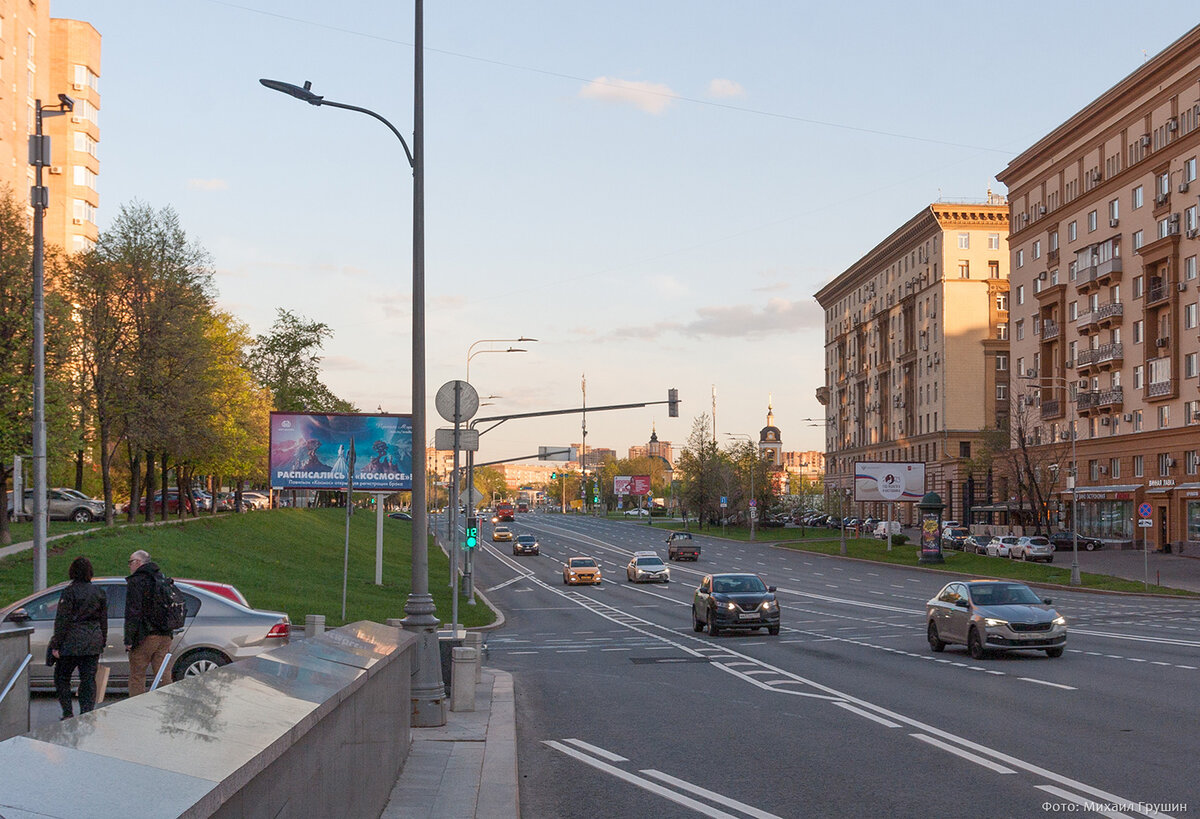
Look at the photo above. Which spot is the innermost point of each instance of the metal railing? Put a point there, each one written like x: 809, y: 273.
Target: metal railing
x: 16, y: 676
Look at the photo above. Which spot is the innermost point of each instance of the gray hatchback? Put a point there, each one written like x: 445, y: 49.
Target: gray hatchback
x: 216, y: 631
x: 993, y: 615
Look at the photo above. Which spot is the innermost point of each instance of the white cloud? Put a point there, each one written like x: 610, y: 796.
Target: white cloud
x: 776, y: 317
x: 651, y: 97
x: 725, y: 88
x: 208, y: 184
x: 669, y: 286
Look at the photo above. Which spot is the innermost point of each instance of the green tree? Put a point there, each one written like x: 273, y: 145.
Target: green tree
x: 706, y: 473
x: 286, y: 361
x: 488, y: 479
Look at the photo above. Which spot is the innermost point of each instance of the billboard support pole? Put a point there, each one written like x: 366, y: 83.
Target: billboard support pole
x: 349, y: 507
x: 379, y: 540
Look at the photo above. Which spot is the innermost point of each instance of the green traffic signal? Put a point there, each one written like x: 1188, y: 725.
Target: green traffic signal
x: 472, y: 539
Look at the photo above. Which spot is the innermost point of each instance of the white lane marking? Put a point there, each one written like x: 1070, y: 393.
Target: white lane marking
x: 1086, y: 803
x: 684, y: 785
x: 507, y: 582
x: 1052, y: 685
x: 884, y: 722
x: 678, y: 798
x: 1146, y: 639
x: 600, y: 752
x: 959, y: 752
x: 522, y: 652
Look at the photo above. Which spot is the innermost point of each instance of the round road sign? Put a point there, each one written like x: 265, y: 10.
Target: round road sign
x: 1144, y: 510
x: 457, y: 401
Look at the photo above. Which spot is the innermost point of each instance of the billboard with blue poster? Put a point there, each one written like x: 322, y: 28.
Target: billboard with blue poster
x: 318, y: 450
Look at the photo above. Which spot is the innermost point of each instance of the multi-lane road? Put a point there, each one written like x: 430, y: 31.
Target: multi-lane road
x: 624, y: 711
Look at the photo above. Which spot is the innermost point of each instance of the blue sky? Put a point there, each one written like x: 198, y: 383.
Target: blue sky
x: 653, y: 190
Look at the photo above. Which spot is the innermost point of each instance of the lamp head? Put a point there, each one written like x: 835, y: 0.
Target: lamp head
x: 67, y: 103
x: 296, y: 91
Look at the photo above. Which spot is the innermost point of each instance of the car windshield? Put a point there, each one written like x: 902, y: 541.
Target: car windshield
x: 1003, y: 594
x: 525, y: 538
x: 582, y: 563
x: 649, y: 561
x: 738, y: 583
x: 1039, y: 541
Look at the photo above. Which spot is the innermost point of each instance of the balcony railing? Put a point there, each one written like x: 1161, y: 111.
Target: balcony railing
x: 1049, y: 329
x: 1157, y: 293
x: 1051, y: 409
x: 1110, y: 310
x: 1086, y: 319
x: 1113, y: 396
x: 1100, y: 355
x: 1157, y: 389
x: 1108, y: 267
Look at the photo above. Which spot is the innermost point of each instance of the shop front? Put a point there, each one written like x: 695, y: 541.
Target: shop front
x: 1106, y: 512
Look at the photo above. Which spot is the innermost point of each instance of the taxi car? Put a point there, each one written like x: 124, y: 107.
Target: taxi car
x: 581, y: 570
x: 994, y: 615
x: 500, y: 533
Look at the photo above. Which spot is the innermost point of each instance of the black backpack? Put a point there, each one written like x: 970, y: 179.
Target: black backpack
x: 166, y: 607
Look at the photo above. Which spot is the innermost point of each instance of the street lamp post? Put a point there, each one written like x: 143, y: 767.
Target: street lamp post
x: 39, y: 198
x: 753, y: 469
x: 1076, y: 580
x: 428, y: 691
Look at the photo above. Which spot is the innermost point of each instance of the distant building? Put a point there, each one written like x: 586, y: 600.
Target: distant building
x: 808, y: 465
x: 654, y: 448
x: 916, y: 350
x: 43, y: 58
x: 527, y: 473
x: 770, y: 449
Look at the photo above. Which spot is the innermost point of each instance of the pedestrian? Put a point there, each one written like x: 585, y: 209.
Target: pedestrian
x: 146, y: 644
x: 80, y: 634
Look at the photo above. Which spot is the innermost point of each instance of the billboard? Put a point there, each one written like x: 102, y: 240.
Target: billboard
x: 631, y: 485
x: 891, y: 482
x: 312, y: 451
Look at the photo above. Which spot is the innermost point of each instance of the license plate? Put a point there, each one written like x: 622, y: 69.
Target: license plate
x: 750, y: 616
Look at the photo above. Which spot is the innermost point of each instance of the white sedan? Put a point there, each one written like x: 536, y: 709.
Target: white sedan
x: 636, y: 513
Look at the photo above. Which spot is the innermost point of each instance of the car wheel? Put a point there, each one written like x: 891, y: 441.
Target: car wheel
x: 1025, y: 557
x: 773, y: 631
x: 1089, y: 546
x: 1050, y: 560
x: 697, y: 626
x: 564, y: 580
x: 713, y: 628
x: 1054, y: 652
x: 515, y: 552
x: 197, y: 662
x: 81, y: 516
x: 975, y: 644
x: 935, y: 642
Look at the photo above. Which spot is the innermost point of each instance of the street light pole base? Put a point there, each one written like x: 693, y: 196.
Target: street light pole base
x: 428, y: 689
x: 1076, y: 580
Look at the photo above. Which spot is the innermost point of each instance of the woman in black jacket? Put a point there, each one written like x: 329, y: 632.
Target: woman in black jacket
x: 80, y: 634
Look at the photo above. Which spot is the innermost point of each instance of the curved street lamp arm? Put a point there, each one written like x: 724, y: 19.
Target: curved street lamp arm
x: 371, y: 113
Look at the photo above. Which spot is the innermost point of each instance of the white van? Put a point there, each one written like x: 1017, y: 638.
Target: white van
x: 887, y: 527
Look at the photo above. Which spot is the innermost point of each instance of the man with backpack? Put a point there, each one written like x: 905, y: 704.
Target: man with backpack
x: 149, y: 622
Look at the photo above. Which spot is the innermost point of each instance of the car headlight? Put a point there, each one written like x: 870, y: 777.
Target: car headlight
x: 992, y: 622
x: 769, y: 604
x: 1060, y: 620
x: 732, y: 606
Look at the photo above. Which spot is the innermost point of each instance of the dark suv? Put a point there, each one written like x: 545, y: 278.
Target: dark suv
x: 1065, y: 540
x: 734, y: 601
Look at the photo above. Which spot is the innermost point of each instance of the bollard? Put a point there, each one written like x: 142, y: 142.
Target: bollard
x: 314, y: 624
x: 475, y: 640
x: 462, y: 679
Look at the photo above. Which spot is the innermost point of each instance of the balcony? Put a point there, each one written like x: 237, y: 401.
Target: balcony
x: 1050, y: 329
x: 1110, y: 314
x: 1086, y: 322
x: 1089, y: 278
x: 1162, y: 389
x: 1052, y: 256
x: 1098, y: 356
x: 1052, y: 409
x: 1158, y: 292
x: 1113, y: 398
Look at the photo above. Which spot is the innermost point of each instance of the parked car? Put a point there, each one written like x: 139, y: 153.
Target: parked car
x: 993, y: 615
x: 172, y: 503
x: 64, y: 504
x: 581, y: 570
x: 955, y: 537
x: 636, y: 513
x: 977, y: 544
x: 647, y: 567
x: 734, y: 601
x: 1001, y: 546
x: 256, y: 500
x: 1066, y: 539
x: 217, y: 630
x: 1032, y: 548
x: 887, y: 527
x: 399, y: 516
x: 526, y: 545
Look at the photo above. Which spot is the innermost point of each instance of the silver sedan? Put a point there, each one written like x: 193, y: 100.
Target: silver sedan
x: 993, y: 615
x: 216, y: 631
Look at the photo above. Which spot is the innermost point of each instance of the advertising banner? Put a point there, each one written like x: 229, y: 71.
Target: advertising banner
x: 312, y: 451
x: 631, y: 484
x: 891, y: 481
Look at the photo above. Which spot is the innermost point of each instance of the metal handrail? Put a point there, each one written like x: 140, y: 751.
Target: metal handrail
x: 20, y: 670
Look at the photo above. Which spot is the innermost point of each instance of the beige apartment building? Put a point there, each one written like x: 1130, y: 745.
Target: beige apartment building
x: 40, y: 58
x: 916, y: 352
x: 1104, y: 245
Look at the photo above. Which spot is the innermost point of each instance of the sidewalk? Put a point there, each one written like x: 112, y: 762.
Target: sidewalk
x: 466, y: 768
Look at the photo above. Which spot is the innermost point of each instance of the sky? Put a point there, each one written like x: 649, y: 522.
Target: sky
x: 653, y: 191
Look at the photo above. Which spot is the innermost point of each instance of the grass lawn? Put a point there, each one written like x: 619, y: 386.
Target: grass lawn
x: 22, y: 532
x: 286, y: 560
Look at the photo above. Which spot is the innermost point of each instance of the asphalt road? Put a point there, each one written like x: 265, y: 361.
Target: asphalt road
x: 624, y: 711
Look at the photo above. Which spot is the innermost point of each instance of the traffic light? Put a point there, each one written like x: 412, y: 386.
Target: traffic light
x: 672, y: 403
x: 553, y: 476
x: 472, y: 539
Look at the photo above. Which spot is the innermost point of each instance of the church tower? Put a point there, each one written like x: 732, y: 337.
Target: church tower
x: 770, y: 444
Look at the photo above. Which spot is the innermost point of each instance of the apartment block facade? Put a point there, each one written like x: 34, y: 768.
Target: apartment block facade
x: 1104, y: 245
x: 916, y: 352
x: 40, y: 58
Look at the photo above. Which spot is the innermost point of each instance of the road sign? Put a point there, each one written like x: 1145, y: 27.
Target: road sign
x: 554, y: 453
x: 724, y: 501
x: 468, y: 440
x: 753, y: 503
x: 1144, y: 510
x: 1146, y: 523
x: 457, y: 401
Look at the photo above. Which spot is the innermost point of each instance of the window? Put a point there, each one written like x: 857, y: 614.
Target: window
x: 1189, y: 366
x: 1191, y: 412
x: 964, y: 270
x: 1021, y: 367
x: 993, y: 270
x: 964, y: 241
x: 1189, y: 268
x: 82, y: 209
x: 1137, y: 198
x: 1139, y: 466
x: 1138, y: 327
x: 1020, y: 294
x: 1163, y: 227
x: 1001, y: 392
x: 1072, y: 311
x: 1191, y: 461
x: 1189, y: 170
x: 1020, y: 258
x: 1189, y: 316
x: 84, y: 177
x: 1165, y: 461
x: 1189, y: 218
x: 1002, y: 330
x: 1021, y: 330
x: 1093, y: 470
x: 1114, y: 466
x: 1072, y: 231
x: 1093, y: 220
x: 1137, y: 287
x: 1137, y: 239
x: 85, y: 144
x: 86, y: 79
x: 1164, y: 416
x: 1114, y: 209
x: 1163, y: 186
x: 1001, y: 301
x: 1054, y: 240
x: 1002, y: 362
x: 1037, y: 249
x: 994, y: 239
x: 1137, y: 377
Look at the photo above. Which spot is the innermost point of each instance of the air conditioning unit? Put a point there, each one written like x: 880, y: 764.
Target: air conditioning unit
x: 1170, y: 463
x: 1097, y: 176
x: 1103, y: 470
x: 1160, y: 199
x: 1173, y: 224
x: 56, y: 169
x: 77, y: 221
x: 1145, y: 141
x: 1041, y: 210
x: 1031, y: 373
x: 1182, y: 286
x: 1183, y: 187
x: 1127, y: 417
x: 1161, y: 342
x: 1043, y: 276
x: 1083, y: 384
x: 1193, y: 233
x: 1070, y: 364
x: 1105, y: 421
x: 1172, y: 124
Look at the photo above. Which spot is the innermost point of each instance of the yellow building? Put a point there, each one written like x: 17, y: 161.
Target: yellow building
x: 916, y: 349
x: 41, y: 58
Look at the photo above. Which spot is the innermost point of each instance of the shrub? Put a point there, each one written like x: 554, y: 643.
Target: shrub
x: 899, y: 540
